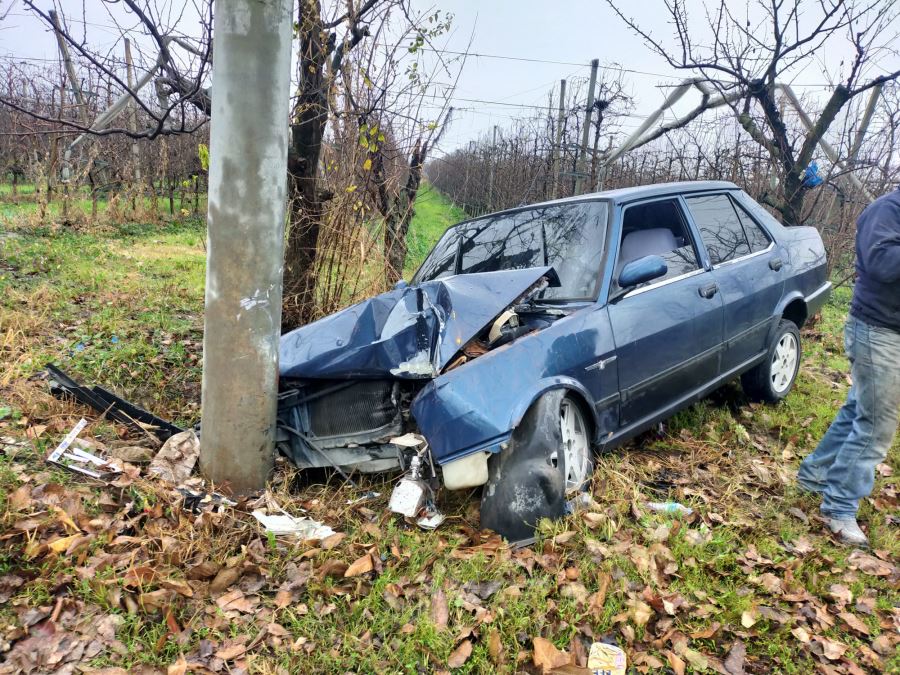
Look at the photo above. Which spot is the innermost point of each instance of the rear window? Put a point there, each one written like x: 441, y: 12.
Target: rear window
x: 569, y: 237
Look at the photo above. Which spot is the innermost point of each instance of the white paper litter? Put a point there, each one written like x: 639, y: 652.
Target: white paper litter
x: 176, y: 459
x: 76, y: 459
x: 431, y: 521
x: 408, y: 440
x: 305, y: 528
x: 67, y: 441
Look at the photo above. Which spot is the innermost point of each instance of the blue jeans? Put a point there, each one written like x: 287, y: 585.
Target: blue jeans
x: 842, y: 467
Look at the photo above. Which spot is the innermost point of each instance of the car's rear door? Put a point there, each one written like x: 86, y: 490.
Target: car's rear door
x: 668, y: 333
x: 747, y: 270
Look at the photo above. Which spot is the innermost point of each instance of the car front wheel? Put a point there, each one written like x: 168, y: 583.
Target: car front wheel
x: 547, y: 460
x: 774, y: 378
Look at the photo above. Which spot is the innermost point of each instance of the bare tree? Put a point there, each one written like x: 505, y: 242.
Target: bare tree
x: 749, y: 53
x: 179, y: 67
x: 327, y: 36
x: 336, y: 40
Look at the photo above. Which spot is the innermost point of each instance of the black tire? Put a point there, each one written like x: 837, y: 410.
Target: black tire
x: 527, y: 480
x: 774, y: 378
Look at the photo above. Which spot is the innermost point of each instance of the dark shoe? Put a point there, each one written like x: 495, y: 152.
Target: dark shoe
x: 848, y: 531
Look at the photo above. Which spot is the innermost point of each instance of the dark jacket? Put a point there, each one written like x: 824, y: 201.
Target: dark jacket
x: 876, y: 297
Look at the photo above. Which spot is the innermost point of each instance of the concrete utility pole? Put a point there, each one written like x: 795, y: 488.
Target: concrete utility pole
x: 67, y: 61
x: 247, y: 189
x: 132, y: 116
x: 585, y: 133
x: 557, y: 148
x: 864, y: 123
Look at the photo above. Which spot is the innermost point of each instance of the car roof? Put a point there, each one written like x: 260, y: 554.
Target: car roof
x: 654, y: 190
x: 628, y: 194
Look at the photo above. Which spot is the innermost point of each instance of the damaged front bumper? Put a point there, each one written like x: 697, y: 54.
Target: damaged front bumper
x: 353, y: 382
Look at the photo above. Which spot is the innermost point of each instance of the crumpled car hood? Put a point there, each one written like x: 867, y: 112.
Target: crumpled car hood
x: 407, y: 333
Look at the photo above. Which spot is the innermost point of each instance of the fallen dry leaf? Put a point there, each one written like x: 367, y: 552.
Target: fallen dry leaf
x: 332, y: 541
x: 178, y: 668
x: 854, y: 622
x: 359, y: 566
x: 639, y: 611
x: 235, y: 600
x: 440, y: 612
x: 830, y: 649
x: 546, y: 656
x: 734, y: 662
x: 801, y: 634
x: 869, y: 564
x: 841, y: 594
x: 883, y: 644
x: 749, y: 617
x: 231, y: 653
x: 204, y: 570
x: 597, y: 601
x: 676, y: 663
x: 224, y: 579
x: 495, y: 646
x: 460, y: 655
x: 180, y: 587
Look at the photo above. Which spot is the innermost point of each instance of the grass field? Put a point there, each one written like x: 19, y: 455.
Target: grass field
x: 751, y: 580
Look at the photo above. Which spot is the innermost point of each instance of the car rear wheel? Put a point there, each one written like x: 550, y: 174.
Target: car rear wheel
x: 774, y: 378
x: 547, y: 460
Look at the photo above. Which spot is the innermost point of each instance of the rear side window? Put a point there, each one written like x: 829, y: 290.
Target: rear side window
x: 720, y: 228
x: 756, y: 236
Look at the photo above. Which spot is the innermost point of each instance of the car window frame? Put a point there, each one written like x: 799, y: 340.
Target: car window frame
x: 740, y: 208
x: 601, y: 272
x: 735, y: 203
x: 700, y: 253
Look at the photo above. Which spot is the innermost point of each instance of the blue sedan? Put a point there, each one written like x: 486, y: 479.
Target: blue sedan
x: 532, y: 338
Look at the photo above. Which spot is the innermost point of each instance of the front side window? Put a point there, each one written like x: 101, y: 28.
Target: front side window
x: 720, y: 228
x: 568, y: 237
x: 657, y: 228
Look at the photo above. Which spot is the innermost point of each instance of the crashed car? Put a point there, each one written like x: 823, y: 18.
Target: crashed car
x: 532, y: 338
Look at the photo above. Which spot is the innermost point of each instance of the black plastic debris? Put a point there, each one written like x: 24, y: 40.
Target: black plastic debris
x: 109, y: 405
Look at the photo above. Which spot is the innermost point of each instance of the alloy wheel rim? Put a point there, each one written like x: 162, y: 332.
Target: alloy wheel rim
x: 784, y: 363
x: 575, y: 444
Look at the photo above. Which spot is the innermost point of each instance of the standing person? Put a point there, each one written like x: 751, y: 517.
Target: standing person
x: 842, y: 467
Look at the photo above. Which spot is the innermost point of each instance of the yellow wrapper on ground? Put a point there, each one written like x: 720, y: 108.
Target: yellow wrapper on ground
x: 606, y: 659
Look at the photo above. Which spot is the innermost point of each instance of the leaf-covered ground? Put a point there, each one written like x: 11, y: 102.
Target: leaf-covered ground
x: 120, y: 578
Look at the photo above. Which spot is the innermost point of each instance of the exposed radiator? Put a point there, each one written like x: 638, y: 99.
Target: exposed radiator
x: 365, y: 405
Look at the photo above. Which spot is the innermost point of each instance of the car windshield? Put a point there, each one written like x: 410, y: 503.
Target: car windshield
x: 569, y: 237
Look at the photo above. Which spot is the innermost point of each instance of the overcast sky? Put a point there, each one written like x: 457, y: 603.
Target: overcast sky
x: 567, y: 32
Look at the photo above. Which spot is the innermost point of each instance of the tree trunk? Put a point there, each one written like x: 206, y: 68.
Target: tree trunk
x: 307, y: 130
x: 398, y: 220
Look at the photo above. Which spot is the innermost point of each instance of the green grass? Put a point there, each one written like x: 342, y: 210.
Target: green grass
x: 434, y: 214
x: 123, y: 308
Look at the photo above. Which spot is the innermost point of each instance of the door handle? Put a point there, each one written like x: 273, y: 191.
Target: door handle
x: 775, y: 264
x: 708, y: 291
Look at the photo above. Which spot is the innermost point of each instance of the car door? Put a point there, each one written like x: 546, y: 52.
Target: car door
x: 746, y: 270
x: 668, y: 333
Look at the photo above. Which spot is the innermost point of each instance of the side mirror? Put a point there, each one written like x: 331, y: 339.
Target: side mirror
x: 642, y: 270
x: 400, y: 285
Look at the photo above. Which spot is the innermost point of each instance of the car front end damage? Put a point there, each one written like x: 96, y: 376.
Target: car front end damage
x: 364, y: 390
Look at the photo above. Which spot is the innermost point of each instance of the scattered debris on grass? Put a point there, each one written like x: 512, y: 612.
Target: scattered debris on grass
x: 304, y: 528
x: 137, y: 575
